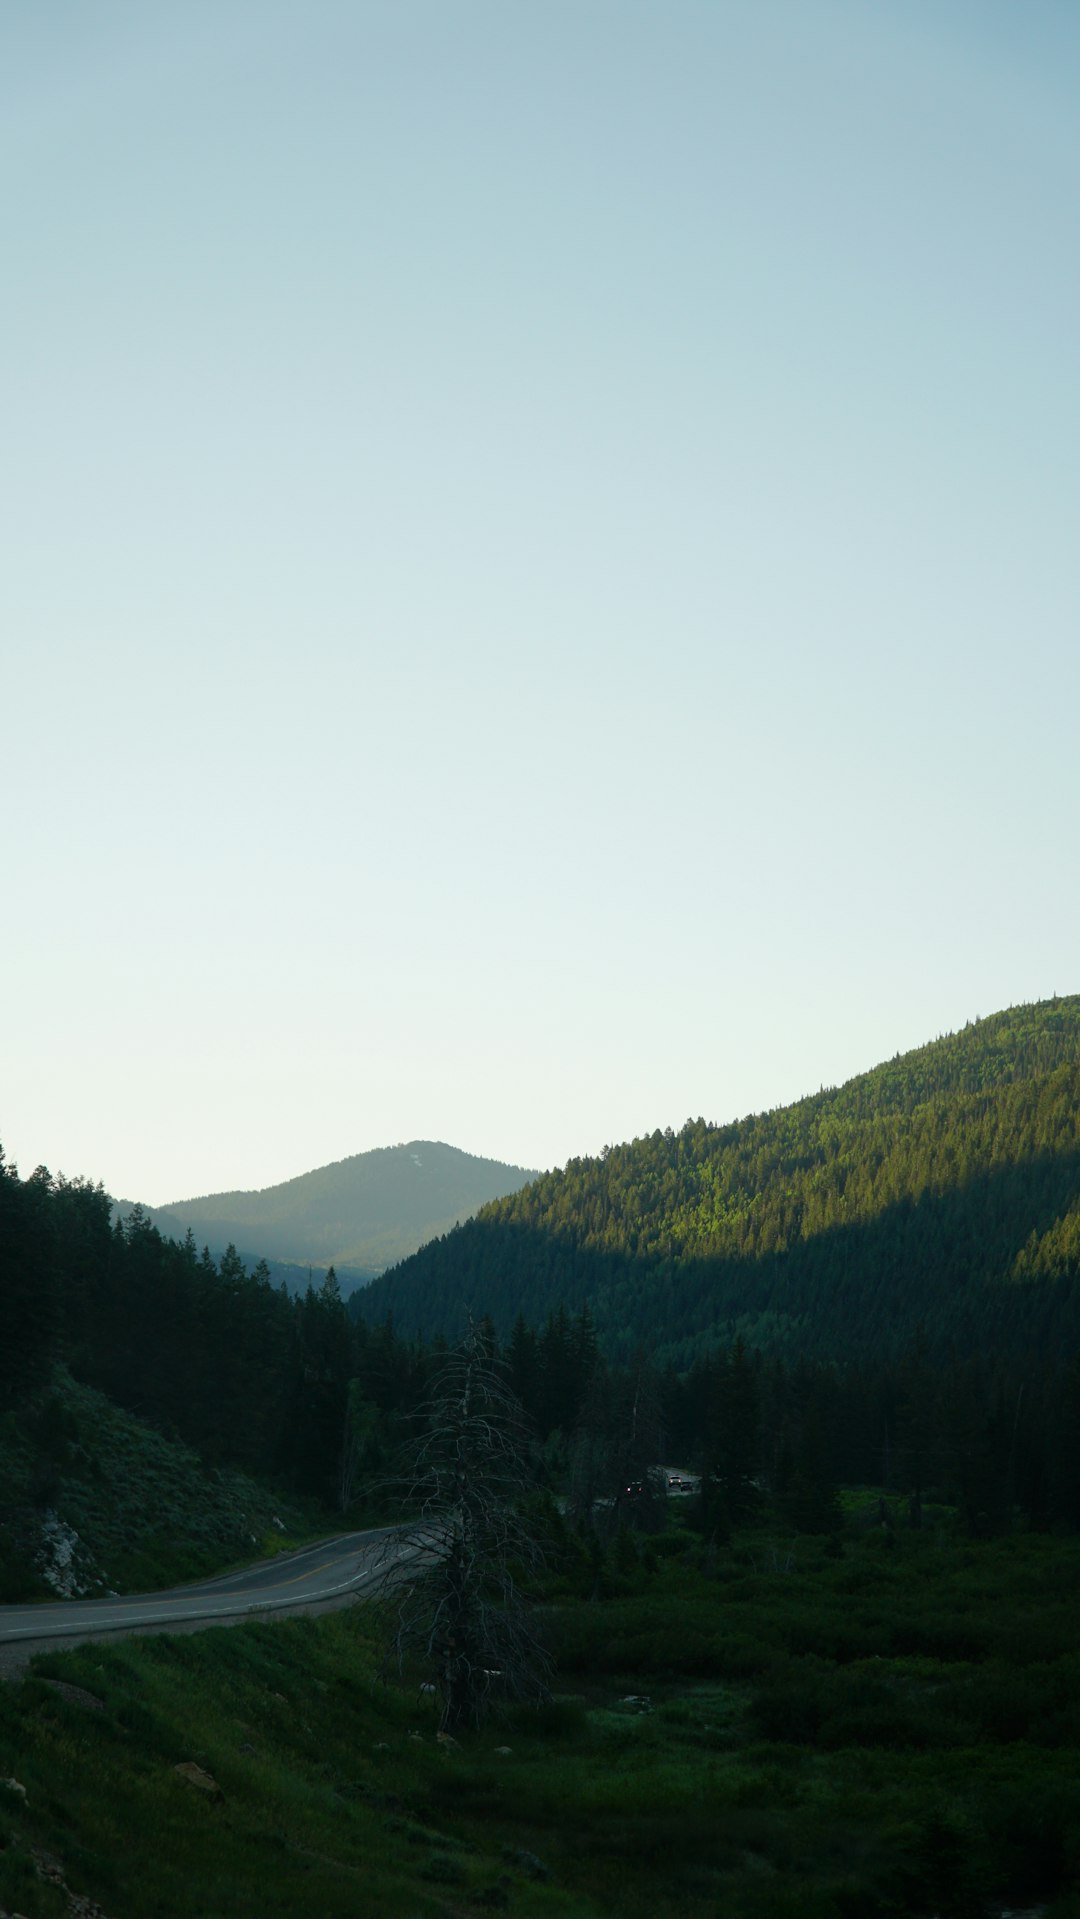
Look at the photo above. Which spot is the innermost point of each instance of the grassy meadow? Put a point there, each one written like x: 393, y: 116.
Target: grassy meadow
x: 882, y: 1722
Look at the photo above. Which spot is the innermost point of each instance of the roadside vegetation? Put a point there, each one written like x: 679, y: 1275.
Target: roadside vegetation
x: 874, y: 1722
x: 92, y: 1500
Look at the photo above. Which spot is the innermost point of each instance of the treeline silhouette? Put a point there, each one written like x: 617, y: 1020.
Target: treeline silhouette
x: 198, y: 1347
x: 296, y: 1390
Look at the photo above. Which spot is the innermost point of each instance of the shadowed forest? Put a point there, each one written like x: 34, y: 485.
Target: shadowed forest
x: 798, y: 1404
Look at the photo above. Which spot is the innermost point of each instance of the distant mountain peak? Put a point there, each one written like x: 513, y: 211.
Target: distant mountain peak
x: 358, y: 1214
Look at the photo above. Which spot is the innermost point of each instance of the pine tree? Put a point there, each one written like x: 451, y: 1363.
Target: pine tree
x: 732, y: 1441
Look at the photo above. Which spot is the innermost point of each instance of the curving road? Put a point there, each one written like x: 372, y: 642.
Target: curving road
x: 314, y: 1579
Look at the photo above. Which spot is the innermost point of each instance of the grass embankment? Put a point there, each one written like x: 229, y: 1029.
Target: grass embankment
x: 325, y: 1805
x: 145, y: 1511
x: 845, y: 1730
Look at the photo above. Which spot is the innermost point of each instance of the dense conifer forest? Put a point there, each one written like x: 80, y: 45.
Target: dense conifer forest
x: 880, y: 1285
x: 938, y: 1195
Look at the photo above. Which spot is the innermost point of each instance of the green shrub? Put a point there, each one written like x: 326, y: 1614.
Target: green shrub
x: 790, y: 1709
x: 1034, y: 1837
x: 563, y: 1717
x: 670, y: 1545
x: 949, y: 1862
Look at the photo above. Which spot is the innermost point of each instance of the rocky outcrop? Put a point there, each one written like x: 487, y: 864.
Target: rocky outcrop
x: 202, y: 1781
x: 63, y: 1561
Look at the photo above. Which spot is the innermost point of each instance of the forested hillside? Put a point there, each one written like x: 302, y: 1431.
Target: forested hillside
x: 203, y: 1350
x: 357, y: 1215
x: 940, y: 1191
x: 885, y: 1278
x: 926, y: 1337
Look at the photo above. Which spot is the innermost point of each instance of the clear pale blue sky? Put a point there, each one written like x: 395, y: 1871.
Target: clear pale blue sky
x: 540, y: 581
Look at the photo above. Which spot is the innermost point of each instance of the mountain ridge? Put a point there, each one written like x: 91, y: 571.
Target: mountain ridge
x: 358, y: 1214
x: 915, y: 1191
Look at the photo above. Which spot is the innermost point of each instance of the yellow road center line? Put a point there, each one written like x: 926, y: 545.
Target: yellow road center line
x: 295, y: 1581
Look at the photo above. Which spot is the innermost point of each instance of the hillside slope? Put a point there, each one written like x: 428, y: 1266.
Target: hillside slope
x: 358, y: 1214
x: 941, y: 1191
x: 95, y: 1499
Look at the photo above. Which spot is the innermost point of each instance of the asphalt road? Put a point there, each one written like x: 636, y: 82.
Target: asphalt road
x: 314, y: 1579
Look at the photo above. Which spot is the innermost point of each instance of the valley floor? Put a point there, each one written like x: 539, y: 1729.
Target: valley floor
x: 882, y: 1723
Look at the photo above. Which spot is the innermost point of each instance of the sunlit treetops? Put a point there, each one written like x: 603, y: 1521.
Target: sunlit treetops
x: 930, y: 1190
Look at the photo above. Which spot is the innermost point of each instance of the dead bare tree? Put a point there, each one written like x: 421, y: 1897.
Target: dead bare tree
x: 452, y: 1575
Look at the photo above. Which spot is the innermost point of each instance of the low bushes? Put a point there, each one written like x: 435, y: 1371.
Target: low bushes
x: 771, y: 1775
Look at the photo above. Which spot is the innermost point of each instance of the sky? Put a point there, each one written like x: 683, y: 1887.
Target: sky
x: 539, y: 578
